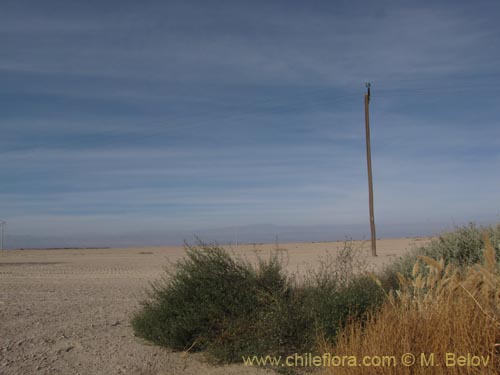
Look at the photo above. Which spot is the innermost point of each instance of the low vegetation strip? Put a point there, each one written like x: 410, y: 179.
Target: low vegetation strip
x: 228, y: 307
x: 221, y: 304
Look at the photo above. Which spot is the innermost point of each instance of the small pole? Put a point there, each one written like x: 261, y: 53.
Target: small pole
x: 2, y: 223
x: 369, y: 165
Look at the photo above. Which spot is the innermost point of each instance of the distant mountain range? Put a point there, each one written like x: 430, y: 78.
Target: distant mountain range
x: 262, y: 233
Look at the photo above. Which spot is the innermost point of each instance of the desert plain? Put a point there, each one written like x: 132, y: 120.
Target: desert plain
x: 67, y: 311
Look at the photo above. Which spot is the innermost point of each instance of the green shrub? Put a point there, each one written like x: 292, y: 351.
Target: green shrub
x: 339, y: 290
x: 193, y: 305
x: 333, y: 307
x: 464, y: 246
x: 461, y: 247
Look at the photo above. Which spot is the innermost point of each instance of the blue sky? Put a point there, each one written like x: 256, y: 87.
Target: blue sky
x: 181, y: 116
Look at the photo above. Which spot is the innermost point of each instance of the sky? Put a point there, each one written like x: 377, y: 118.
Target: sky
x: 126, y: 122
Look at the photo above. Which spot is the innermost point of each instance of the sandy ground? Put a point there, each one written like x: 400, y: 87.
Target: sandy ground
x: 67, y: 311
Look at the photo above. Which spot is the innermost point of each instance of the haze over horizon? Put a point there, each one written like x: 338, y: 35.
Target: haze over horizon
x: 142, y: 123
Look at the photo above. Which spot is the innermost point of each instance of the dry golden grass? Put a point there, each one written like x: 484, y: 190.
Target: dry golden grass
x: 439, y: 310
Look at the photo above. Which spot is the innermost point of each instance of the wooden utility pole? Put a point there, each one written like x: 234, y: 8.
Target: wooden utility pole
x: 369, y: 165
